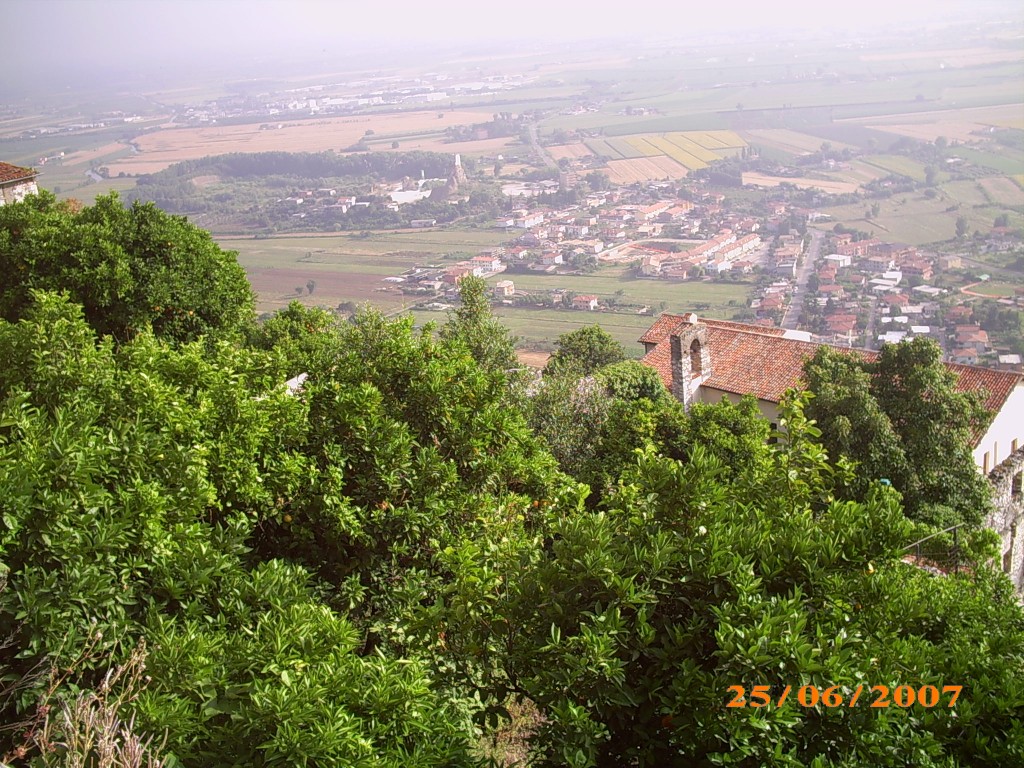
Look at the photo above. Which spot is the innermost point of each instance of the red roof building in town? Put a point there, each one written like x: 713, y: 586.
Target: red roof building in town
x: 705, y: 360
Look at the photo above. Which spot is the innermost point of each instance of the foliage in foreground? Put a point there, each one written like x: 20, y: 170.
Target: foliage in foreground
x: 901, y: 418
x: 368, y: 571
x: 129, y: 268
x: 628, y: 624
x: 267, y: 547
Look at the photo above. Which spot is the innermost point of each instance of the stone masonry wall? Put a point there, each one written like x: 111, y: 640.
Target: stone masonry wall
x: 1008, y: 519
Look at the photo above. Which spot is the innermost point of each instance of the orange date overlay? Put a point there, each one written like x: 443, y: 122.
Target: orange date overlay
x: 879, y: 696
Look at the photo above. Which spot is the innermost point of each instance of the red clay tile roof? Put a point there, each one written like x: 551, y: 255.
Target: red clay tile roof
x: 10, y: 172
x: 749, y: 359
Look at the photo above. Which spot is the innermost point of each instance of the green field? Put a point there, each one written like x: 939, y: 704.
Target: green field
x: 355, y: 252
x: 624, y: 148
x: 616, y: 282
x: 683, y: 157
x: 996, y: 289
x: 351, y: 268
x: 901, y: 166
x: 966, y: 193
x: 914, y: 219
x: 999, y: 158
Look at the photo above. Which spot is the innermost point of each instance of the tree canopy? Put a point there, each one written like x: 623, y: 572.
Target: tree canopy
x: 129, y: 268
x: 901, y: 418
x: 585, y: 350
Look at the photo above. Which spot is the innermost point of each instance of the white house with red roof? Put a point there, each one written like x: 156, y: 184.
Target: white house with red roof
x: 16, y: 183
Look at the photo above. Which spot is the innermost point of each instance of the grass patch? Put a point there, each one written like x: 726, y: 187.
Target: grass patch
x: 995, y: 289
x: 1003, y: 159
x: 901, y: 166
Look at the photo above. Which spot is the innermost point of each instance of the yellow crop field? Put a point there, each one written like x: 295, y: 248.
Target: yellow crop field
x: 642, y: 145
x: 644, y: 169
x: 677, y: 154
x: 571, y: 151
x: 715, y: 140
x: 687, y: 145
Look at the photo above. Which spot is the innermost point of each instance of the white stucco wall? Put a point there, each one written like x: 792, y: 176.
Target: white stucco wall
x: 1007, y: 426
x: 769, y: 411
x: 12, y: 193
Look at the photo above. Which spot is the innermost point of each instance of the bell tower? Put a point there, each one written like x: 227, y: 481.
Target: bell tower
x: 691, y: 359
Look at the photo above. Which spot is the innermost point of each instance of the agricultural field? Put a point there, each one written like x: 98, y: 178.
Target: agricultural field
x: 346, y: 267
x: 571, y: 151
x: 964, y: 125
x: 916, y: 220
x: 617, y: 282
x: 645, y: 148
x: 644, y: 169
x: 901, y: 166
x: 859, y: 172
x: 1003, y: 190
x: 1007, y: 160
x: 159, y: 149
x: 788, y: 141
x: 691, y: 147
x: 684, y: 158
x: 975, y: 194
x: 714, y: 140
x: 830, y: 186
x: 624, y: 148
x: 541, y: 327
x: 994, y: 288
x: 437, y: 143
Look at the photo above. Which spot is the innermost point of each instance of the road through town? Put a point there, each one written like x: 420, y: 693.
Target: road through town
x: 794, y: 312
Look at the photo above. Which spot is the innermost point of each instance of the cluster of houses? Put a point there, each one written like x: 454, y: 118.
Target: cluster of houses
x: 722, y: 253
x: 881, y: 287
x: 612, y: 225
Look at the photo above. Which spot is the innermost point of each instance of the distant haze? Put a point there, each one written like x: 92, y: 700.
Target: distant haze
x: 72, y: 38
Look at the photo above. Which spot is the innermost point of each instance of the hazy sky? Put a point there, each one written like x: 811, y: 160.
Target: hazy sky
x: 75, y: 34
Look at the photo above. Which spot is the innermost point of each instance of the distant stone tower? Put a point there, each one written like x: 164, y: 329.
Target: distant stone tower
x: 456, y: 176
x: 458, y: 172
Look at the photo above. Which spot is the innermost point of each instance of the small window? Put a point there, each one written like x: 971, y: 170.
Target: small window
x: 1015, y: 487
x: 1007, y: 560
x: 695, y: 365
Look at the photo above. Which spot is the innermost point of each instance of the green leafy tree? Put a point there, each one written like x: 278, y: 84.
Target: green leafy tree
x: 474, y: 325
x: 962, y: 227
x: 632, y: 380
x: 627, y: 625
x: 901, y: 418
x: 262, y: 543
x: 584, y: 351
x: 129, y: 268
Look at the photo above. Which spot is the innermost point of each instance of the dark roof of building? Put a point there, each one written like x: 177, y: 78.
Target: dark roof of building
x: 10, y: 173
